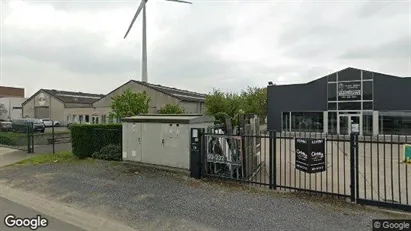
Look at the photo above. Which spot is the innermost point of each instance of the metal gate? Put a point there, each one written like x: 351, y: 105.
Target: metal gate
x: 364, y: 170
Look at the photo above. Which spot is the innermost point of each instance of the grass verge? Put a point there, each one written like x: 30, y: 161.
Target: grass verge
x: 48, y: 158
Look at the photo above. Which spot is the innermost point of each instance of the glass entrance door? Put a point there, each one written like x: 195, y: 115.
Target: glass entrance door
x: 349, y: 123
x: 344, y: 125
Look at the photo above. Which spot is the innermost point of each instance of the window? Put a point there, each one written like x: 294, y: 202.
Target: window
x: 367, y: 90
x: 87, y: 119
x: 332, y: 106
x: 367, y: 106
x: 396, y: 125
x: 349, y: 74
x: 307, y: 121
x: 94, y: 120
x: 75, y: 118
x: 68, y: 118
x: 349, y: 106
x: 332, y: 78
x: 80, y: 118
x: 332, y: 92
x: 366, y: 75
x: 367, y: 124
x: 103, y: 119
x: 332, y: 122
x: 285, y: 123
x: 349, y: 91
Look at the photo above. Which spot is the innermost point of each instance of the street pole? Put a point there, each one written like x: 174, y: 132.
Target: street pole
x: 144, y: 50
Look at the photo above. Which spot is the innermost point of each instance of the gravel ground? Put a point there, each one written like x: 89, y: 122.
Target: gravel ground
x: 148, y: 199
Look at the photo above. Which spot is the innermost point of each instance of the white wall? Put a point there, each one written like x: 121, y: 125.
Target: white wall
x: 13, y: 107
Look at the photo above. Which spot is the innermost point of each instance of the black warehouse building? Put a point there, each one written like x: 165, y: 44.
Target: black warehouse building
x: 351, y: 99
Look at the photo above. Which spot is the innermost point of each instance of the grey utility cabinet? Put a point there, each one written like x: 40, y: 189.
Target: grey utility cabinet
x: 161, y: 139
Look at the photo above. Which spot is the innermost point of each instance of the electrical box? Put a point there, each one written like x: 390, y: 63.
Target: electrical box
x: 161, y: 139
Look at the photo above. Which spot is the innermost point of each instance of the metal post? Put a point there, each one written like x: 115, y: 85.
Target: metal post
x: 28, y: 137
x: 52, y: 134
x: 144, y: 50
x: 272, y: 159
x: 195, y: 152
x: 354, y: 166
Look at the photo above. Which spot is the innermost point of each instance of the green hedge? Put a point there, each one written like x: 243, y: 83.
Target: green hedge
x: 109, y: 152
x: 88, y: 139
x: 6, y: 140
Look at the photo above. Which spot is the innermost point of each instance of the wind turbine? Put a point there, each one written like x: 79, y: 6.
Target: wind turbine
x: 144, y: 59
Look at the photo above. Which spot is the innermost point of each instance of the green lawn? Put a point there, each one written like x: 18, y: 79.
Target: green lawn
x: 48, y: 158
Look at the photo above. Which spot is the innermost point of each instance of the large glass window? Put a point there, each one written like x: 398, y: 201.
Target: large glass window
x: 367, y: 90
x: 332, y: 92
x: 332, y: 78
x: 396, y: 125
x: 349, y: 91
x: 349, y: 106
x: 349, y: 74
x: 367, y: 75
x: 367, y: 106
x: 332, y: 122
x: 332, y: 106
x: 307, y: 121
x: 285, y: 122
x: 367, y: 124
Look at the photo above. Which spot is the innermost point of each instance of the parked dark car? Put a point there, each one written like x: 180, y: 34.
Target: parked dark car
x: 21, y: 125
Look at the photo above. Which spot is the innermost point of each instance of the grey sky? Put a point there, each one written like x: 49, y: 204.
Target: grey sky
x: 78, y: 45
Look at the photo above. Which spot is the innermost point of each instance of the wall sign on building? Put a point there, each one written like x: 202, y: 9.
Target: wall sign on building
x: 310, y: 155
x: 349, y: 91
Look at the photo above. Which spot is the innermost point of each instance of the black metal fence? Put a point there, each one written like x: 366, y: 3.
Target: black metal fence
x: 366, y: 170
x: 18, y: 136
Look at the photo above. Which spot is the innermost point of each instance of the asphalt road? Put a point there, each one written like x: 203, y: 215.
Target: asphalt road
x: 146, y: 199
x: 8, y: 207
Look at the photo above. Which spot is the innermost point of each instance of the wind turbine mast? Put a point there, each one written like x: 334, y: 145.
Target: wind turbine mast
x: 142, y: 6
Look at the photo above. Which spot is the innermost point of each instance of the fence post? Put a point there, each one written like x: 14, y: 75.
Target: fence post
x: 28, y: 138
x: 354, y: 166
x: 272, y: 159
x: 52, y: 136
x: 195, y: 152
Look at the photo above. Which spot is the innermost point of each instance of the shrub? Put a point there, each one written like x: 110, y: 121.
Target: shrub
x: 7, y: 140
x: 88, y: 139
x: 108, y: 152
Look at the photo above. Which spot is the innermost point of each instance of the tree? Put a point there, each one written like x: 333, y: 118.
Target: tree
x: 252, y: 100
x: 171, y: 109
x: 216, y: 102
x: 255, y: 100
x: 3, y: 110
x: 129, y: 104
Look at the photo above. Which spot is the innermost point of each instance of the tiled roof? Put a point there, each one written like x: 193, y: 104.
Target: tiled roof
x: 183, y: 95
x: 74, y: 97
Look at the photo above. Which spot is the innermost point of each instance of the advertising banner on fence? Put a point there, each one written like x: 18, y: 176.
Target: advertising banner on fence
x: 407, y: 153
x: 310, y: 155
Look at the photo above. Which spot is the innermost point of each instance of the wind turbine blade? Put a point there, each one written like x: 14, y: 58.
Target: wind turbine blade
x: 142, y: 4
x: 180, y: 1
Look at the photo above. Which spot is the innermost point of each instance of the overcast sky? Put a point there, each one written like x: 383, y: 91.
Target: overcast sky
x: 78, y: 45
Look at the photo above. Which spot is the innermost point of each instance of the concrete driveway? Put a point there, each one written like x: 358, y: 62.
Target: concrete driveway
x: 147, y: 199
x: 11, y: 156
